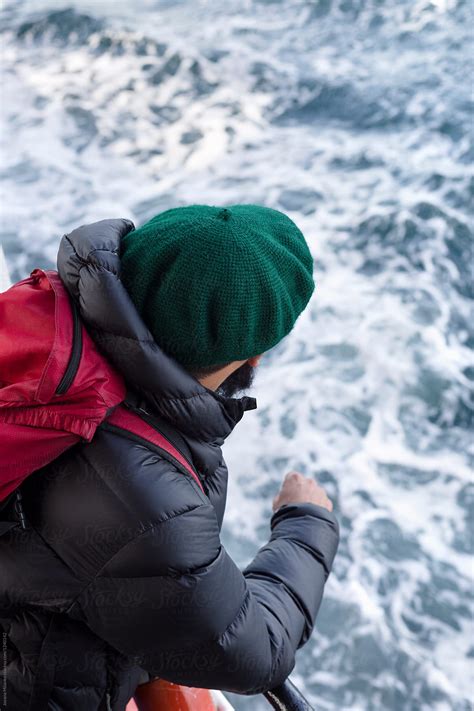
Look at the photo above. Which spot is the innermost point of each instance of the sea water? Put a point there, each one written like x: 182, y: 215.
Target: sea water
x: 355, y: 118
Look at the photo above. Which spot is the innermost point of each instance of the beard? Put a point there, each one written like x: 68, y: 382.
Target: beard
x: 241, y: 379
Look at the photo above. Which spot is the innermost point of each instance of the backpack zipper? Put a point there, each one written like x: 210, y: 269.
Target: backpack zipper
x: 19, y: 508
x: 108, y: 701
x: 74, y: 360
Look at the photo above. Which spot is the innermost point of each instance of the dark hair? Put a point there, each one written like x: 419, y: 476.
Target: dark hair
x: 202, y: 371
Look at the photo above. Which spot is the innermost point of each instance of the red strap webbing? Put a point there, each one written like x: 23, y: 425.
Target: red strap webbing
x: 129, y: 421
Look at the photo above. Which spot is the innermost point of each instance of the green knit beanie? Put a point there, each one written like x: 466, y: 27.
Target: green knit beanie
x: 217, y: 284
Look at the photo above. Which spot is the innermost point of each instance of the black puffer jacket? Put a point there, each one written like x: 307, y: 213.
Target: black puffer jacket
x: 120, y: 567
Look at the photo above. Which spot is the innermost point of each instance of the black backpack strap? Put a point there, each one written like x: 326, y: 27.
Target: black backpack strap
x: 137, y: 423
x: 167, y: 430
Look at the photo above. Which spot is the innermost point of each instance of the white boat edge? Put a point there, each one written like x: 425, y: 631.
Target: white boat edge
x: 220, y: 701
x: 5, y: 281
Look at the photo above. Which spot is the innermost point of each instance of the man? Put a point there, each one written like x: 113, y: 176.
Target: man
x: 120, y: 568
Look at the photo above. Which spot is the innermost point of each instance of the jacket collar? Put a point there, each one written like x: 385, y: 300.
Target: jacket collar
x: 89, y: 266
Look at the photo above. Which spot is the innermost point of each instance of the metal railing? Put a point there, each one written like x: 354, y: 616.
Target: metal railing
x: 288, y: 698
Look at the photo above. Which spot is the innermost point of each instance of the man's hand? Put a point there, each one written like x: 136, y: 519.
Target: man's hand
x: 299, y: 489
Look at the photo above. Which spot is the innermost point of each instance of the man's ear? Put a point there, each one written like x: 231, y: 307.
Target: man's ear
x: 254, y: 361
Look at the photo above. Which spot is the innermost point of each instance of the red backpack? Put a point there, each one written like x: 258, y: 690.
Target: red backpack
x: 56, y: 388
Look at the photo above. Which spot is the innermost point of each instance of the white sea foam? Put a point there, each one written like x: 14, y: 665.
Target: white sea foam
x: 352, y: 118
